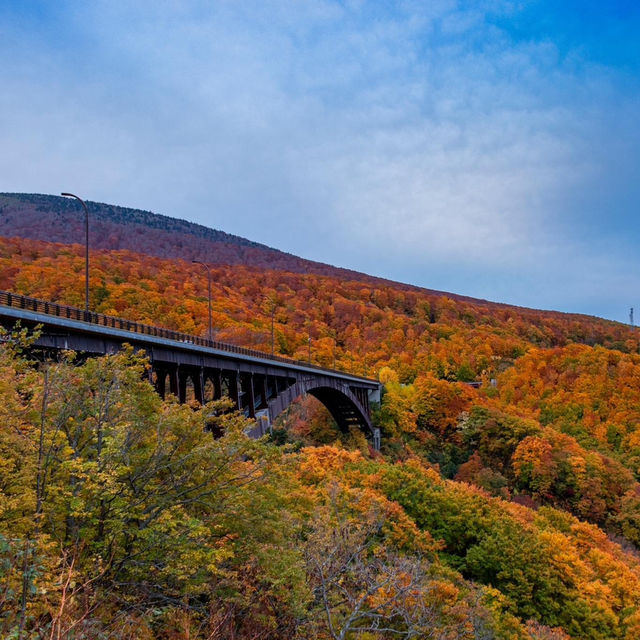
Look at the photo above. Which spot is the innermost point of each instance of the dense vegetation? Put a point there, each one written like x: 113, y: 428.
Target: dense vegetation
x: 366, y: 327
x: 509, y: 511
x: 121, y: 518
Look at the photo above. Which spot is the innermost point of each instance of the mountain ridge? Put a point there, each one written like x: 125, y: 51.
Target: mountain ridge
x: 21, y: 215
x: 114, y: 227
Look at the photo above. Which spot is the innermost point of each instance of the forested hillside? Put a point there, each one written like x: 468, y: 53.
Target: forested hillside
x: 371, y: 326
x: 58, y: 219
x: 507, y: 511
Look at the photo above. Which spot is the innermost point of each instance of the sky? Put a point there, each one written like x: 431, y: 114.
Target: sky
x: 487, y: 148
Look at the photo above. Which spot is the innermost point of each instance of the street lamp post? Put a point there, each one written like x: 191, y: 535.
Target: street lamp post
x: 206, y: 266
x: 333, y: 334
x: 273, y: 341
x: 273, y: 305
x: 86, y: 249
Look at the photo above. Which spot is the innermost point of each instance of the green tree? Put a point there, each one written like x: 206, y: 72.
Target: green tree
x: 110, y: 495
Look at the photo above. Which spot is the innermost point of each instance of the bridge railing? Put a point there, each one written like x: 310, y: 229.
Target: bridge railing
x: 18, y: 301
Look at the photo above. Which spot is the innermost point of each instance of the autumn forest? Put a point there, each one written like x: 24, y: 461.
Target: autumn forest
x: 507, y: 509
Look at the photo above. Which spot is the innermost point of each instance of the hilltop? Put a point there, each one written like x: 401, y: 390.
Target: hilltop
x: 57, y: 219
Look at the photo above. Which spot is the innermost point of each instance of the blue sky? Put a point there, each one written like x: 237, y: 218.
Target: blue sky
x: 486, y: 148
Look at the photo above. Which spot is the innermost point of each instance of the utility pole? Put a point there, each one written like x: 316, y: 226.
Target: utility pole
x: 86, y: 250
x: 631, y: 316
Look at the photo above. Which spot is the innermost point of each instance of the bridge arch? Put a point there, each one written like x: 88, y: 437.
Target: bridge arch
x: 344, y: 407
x: 348, y: 408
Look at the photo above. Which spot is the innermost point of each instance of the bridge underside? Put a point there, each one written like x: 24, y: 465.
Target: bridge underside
x: 263, y: 395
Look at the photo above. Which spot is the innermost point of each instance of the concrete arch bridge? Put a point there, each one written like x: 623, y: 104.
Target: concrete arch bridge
x: 259, y: 384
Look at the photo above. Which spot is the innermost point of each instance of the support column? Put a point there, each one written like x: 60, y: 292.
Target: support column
x: 216, y: 378
x: 234, y: 389
x: 263, y: 392
x: 182, y: 386
x: 173, y: 381
x: 272, y: 391
x: 198, y: 386
x: 161, y: 382
x: 252, y: 398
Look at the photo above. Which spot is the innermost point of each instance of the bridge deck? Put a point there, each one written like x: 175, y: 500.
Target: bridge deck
x: 34, y: 311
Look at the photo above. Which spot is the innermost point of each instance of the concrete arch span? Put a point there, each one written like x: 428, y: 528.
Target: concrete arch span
x: 344, y: 407
x: 348, y: 406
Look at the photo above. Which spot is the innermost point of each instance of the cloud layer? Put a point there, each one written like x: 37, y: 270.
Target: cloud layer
x: 444, y: 146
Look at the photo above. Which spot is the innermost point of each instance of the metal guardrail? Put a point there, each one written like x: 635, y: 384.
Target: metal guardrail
x: 18, y: 301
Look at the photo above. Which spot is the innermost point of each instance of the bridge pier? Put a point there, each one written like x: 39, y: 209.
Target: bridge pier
x: 248, y: 395
x: 216, y: 378
x: 264, y: 404
x: 234, y: 389
x: 160, y: 381
x: 199, y: 386
x: 182, y: 386
x: 173, y: 381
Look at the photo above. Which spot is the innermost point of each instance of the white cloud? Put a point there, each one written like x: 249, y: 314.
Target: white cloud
x: 417, y: 136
